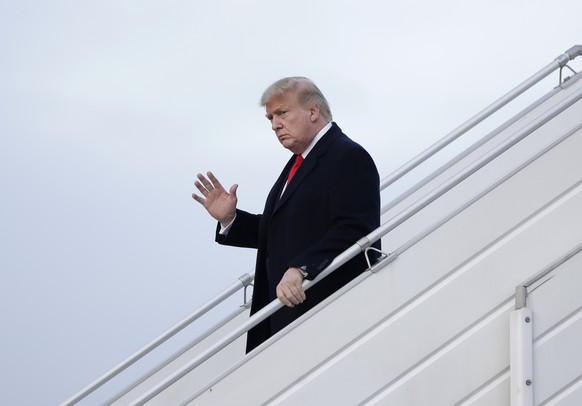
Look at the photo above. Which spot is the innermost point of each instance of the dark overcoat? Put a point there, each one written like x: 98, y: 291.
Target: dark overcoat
x: 332, y: 201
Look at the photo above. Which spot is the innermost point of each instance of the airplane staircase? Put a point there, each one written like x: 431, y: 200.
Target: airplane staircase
x: 476, y: 300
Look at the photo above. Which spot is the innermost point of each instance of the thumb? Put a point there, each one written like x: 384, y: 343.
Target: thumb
x: 233, y: 189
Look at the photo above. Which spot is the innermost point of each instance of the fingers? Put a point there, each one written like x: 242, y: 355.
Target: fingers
x: 211, y: 182
x: 233, y: 189
x: 290, y: 290
x: 291, y: 296
x: 203, y: 184
x: 214, y: 181
x: 206, y: 186
x: 219, y: 203
x: 203, y: 191
x: 198, y: 198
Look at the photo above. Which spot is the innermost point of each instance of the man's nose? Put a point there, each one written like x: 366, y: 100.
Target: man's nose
x: 276, y: 124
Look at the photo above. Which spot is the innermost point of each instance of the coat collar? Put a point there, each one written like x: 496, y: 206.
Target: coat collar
x: 306, y: 167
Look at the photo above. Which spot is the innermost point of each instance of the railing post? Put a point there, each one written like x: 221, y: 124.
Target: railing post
x: 521, y: 357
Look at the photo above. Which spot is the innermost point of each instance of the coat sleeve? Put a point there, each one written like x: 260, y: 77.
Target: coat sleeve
x: 244, y: 232
x: 354, y: 210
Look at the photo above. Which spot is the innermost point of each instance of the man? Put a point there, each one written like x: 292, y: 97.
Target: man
x: 325, y: 199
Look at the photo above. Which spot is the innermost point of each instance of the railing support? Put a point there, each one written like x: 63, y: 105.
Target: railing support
x: 521, y: 357
x: 521, y: 336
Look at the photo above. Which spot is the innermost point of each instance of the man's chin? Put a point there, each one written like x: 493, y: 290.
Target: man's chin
x: 291, y: 146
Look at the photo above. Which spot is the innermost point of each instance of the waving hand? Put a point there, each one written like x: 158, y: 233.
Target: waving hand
x: 219, y: 203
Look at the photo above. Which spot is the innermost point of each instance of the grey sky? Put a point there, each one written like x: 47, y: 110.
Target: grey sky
x: 108, y: 110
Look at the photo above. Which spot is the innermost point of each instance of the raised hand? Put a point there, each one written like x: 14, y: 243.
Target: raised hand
x: 219, y: 203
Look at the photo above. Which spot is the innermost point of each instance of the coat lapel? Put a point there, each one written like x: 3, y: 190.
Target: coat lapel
x: 275, y: 193
x: 308, y: 166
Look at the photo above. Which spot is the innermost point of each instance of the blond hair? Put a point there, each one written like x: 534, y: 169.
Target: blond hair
x: 306, y: 90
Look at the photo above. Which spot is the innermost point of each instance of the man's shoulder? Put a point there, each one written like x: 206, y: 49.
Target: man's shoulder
x: 344, y: 144
x: 338, y: 139
x: 336, y: 146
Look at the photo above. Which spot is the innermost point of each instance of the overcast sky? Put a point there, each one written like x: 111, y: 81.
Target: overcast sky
x: 109, y: 108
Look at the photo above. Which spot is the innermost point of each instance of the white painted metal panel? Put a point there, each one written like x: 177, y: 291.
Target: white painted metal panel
x: 451, y: 372
x: 556, y: 304
x: 564, y: 283
x: 494, y: 392
x: 569, y: 397
x: 197, y: 378
x: 558, y: 359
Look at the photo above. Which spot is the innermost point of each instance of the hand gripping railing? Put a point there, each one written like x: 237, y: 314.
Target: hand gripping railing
x: 364, y: 244
x: 242, y: 282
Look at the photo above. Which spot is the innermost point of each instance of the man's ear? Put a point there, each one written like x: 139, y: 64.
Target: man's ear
x: 314, y: 113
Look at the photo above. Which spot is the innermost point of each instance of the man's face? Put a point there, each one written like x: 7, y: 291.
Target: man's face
x: 294, y: 125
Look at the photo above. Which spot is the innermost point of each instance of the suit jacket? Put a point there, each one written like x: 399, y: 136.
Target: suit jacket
x: 332, y: 201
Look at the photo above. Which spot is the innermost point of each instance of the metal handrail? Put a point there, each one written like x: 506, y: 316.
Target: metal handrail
x: 557, y: 63
x: 472, y: 148
x: 207, y: 333
x: 242, y: 282
x: 364, y: 243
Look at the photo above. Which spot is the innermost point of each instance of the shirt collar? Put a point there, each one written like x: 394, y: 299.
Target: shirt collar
x: 315, y: 139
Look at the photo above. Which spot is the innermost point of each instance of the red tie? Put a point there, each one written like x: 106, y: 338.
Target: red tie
x: 296, y: 165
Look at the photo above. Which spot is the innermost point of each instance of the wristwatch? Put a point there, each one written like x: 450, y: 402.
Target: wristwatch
x: 303, y: 270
